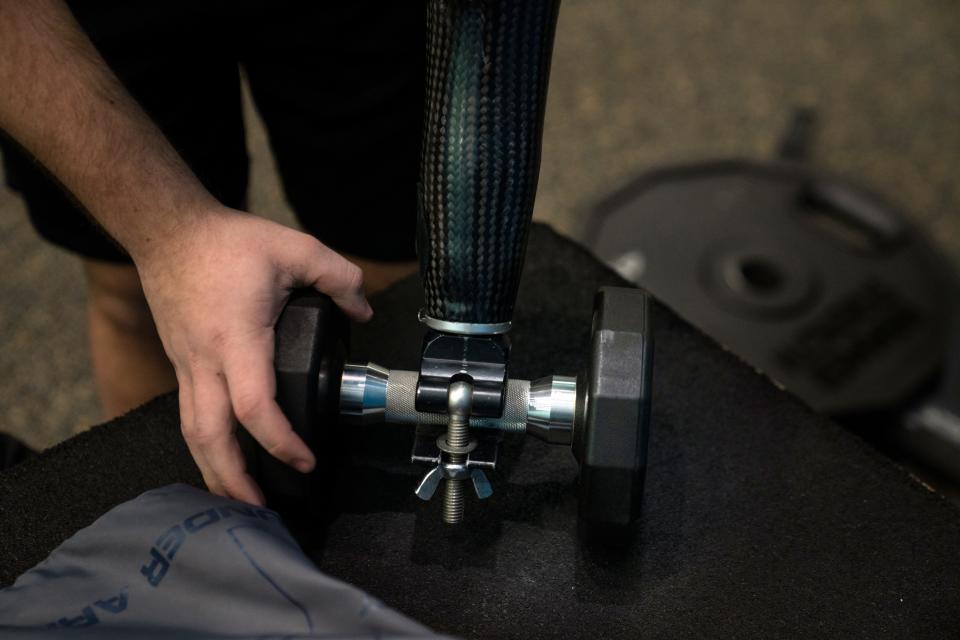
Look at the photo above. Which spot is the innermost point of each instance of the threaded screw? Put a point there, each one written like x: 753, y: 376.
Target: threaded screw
x: 459, y: 404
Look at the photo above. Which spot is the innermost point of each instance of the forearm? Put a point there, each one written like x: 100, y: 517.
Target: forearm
x: 216, y: 281
x: 63, y: 104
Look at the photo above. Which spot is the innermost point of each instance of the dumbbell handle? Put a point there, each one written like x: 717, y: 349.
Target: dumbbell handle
x: 543, y: 408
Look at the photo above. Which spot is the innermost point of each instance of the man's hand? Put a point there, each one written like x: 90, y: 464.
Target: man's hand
x: 216, y: 279
x: 216, y: 288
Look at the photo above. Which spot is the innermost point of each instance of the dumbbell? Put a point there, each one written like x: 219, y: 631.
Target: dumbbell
x: 601, y: 414
x: 487, y: 67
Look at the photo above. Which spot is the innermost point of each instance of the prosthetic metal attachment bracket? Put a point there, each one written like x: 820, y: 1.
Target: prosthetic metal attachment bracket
x: 481, y: 360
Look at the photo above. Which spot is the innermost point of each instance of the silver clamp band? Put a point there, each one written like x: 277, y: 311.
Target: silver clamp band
x: 464, y: 328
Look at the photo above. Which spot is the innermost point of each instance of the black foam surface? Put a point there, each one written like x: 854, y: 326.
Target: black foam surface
x: 760, y: 518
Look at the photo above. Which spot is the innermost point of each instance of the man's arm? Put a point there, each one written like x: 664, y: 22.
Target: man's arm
x: 216, y: 279
x: 63, y: 104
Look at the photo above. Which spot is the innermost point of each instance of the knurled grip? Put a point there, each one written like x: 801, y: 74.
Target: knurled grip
x: 487, y: 68
x: 401, y: 393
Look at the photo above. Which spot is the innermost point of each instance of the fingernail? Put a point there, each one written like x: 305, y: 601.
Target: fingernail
x: 369, y: 310
x: 303, y: 466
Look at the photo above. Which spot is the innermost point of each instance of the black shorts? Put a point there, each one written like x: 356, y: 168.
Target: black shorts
x: 339, y: 86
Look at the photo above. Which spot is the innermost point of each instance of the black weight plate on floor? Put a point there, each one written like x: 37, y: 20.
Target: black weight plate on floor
x: 820, y: 284
x: 310, y: 348
x: 613, y: 415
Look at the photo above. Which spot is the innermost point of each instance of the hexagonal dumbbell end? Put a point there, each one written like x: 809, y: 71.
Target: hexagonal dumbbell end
x: 613, y: 413
x: 310, y: 347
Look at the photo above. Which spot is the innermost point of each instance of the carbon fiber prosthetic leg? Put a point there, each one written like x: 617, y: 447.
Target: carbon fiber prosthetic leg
x: 488, y: 62
x: 487, y: 69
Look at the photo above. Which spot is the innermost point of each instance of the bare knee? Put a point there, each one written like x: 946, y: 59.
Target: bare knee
x: 115, y: 297
x: 378, y: 275
x: 129, y: 364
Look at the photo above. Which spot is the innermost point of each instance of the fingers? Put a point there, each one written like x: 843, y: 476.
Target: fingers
x: 208, y: 431
x: 222, y: 338
x: 208, y: 403
x: 186, y: 424
x: 328, y: 272
x: 252, y: 384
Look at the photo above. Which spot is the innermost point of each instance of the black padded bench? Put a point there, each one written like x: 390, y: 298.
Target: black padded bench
x: 760, y: 518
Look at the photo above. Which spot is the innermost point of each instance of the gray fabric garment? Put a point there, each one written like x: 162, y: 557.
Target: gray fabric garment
x: 178, y: 562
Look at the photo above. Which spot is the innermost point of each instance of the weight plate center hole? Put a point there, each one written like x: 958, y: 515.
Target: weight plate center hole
x: 761, y: 276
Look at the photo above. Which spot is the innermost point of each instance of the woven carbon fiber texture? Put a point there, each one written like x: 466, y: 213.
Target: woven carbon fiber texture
x: 487, y: 68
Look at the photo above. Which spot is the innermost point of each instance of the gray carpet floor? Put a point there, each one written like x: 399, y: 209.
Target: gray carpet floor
x: 634, y: 85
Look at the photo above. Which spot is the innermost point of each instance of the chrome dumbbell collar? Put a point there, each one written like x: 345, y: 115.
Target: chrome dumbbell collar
x: 363, y: 392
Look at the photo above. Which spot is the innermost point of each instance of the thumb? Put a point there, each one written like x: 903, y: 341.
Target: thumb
x: 318, y: 266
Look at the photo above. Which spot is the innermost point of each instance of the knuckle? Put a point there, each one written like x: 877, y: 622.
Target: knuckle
x: 352, y: 277
x: 232, y: 484
x: 314, y: 246
x: 311, y: 249
x: 196, y: 360
x: 217, y: 339
x: 279, y: 449
x: 199, y: 436
x: 249, y: 407
x: 188, y: 431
